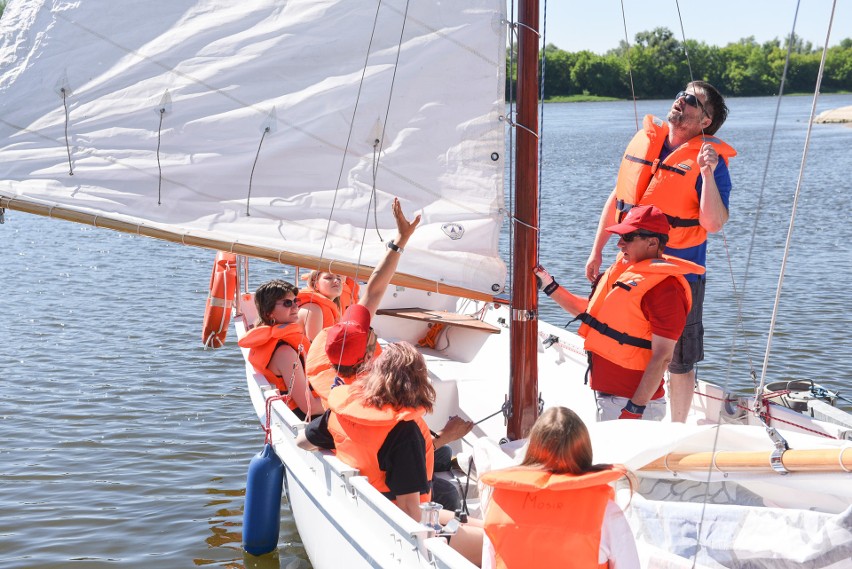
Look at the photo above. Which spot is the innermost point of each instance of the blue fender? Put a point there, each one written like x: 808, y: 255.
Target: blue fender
x: 262, y: 513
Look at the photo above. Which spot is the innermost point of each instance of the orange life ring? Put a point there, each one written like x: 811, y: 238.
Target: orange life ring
x: 223, y: 289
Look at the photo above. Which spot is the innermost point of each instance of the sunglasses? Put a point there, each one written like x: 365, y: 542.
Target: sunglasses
x: 692, y: 101
x: 629, y: 237
x: 288, y: 302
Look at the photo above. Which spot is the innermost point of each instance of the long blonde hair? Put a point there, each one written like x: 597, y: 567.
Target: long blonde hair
x: 560, y: 443
x: 397, y: 378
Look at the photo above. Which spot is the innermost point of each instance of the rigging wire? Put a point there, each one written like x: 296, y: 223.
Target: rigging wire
x: 512, y: 72
x: 349, y: 140
x: 543, y: 67
x: 377, y: 144
x: 381, y: 141
x: 760, y: 387
x: 629, y: 66
x: 700, y: 523
x: 796, y: 196
x: 740, y: 298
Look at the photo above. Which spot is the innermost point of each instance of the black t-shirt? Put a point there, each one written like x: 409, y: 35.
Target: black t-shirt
x: 402, y: 456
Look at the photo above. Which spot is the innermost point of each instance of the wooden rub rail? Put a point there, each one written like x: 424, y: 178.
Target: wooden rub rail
x: 440, y: 316
x: 817, y: 460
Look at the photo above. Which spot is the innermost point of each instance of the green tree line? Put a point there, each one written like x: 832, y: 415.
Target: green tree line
x: 659, y: 67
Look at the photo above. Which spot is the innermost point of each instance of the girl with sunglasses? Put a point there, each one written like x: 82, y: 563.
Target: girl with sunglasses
x: 278, y: 345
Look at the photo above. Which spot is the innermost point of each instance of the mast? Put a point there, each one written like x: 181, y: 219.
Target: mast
x: 524, y: 329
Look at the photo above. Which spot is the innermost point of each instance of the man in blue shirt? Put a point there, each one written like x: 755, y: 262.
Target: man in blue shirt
x: 676, y: 166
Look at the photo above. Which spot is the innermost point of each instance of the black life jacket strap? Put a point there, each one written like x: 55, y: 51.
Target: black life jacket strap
x: 631, y: 158
x: 680, y: 222
x: 606, y: 330
x: 668, y: 168
x: 623, y: 207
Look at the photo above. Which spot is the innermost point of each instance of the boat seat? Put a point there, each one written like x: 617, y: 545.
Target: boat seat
x: 440, y: 317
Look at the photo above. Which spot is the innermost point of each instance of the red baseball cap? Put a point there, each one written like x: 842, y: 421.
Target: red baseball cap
x: 645, y: 217
x: 346, y: 342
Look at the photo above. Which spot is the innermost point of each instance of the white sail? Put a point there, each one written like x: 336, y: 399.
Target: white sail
x: 256, y: 123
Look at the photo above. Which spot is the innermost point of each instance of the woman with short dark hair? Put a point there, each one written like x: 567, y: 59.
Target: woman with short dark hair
x: 278, y: 345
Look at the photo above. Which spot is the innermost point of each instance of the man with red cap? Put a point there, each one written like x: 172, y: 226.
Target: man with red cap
x: 634, y: 317
x: 679, y: 165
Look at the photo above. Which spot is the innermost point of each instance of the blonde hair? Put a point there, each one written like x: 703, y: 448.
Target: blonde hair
x: 397, y: 378
x: 314, y: 276
x: 560, y: 443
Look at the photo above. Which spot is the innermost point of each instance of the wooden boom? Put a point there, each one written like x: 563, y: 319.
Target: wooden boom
x: 274, y: 255
x: 819, y: 460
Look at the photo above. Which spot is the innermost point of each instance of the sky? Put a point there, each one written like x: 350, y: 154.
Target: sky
x: 597, y: 25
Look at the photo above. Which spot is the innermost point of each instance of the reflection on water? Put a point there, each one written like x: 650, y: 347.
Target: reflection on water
x: 125, y: 443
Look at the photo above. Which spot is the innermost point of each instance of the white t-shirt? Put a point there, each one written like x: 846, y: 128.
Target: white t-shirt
x: 618, y: 546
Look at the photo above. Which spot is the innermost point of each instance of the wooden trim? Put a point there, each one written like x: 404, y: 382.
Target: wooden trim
x: 440, y: 316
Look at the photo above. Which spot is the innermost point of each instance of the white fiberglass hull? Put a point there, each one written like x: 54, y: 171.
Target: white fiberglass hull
x: 342, y: 519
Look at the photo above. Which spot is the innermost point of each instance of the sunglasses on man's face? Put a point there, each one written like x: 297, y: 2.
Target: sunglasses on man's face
x: 288, y: 302
x: 629, y: 237
x: 691, y: 100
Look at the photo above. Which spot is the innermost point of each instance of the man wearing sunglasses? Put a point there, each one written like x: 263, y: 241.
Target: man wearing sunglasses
x: 633, y: 319
x: 679, y: 166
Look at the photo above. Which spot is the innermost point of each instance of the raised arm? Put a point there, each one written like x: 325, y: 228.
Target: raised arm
x: 595, y: 260
x: 380, y: 279
x: 712, y: 213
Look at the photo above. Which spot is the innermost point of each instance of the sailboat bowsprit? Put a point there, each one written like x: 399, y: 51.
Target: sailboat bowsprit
x: 282, y: 132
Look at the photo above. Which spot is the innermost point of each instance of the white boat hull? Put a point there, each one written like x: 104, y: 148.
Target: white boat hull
x: 341, y: 519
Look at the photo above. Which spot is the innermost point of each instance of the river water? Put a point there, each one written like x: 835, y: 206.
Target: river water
x: 124, y: 443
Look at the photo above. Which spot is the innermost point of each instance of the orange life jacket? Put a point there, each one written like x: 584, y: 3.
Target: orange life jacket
x: 360, y: 431
x: 539, y: 519
x: 350, y: 294
x: 262, y: 342
x: 613, y: 324
x: 670, y: 185
x: 319, y: 371
x: 330, y: 311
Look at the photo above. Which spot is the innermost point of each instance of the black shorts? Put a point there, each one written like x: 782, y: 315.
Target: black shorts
x: 689, y: 349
